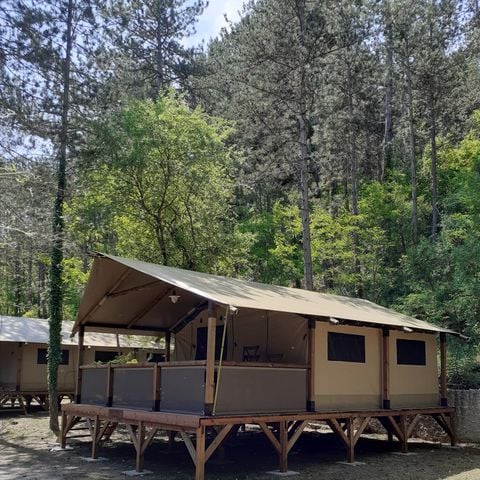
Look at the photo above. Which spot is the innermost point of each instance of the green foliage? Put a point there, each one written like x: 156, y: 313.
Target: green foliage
x: 161, y: 188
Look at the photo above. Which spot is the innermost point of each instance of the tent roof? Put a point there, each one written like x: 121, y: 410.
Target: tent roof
x: 35, y: 330
x: 125, y: 293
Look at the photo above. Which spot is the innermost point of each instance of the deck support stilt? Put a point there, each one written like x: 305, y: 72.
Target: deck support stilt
x: 200, y: 454
x: 283, y: 435
x: 95, y: 439
x: 282, y: 430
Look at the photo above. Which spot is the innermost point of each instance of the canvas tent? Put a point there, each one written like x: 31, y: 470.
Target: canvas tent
x: 126, y: 295
x: 23, y: 348
x: 245, y: 352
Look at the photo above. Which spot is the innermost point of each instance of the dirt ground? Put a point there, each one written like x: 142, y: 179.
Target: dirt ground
x: 25, y: 445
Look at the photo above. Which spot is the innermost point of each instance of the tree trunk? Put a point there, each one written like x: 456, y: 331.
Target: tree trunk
x: 353, y: 164
x: 56, y: 272
x: 388, y: 135
x: 303, y: 202
x: 159, y: 60
x: 303, y: 158
x: 411, y: 145
x: 433, y: 142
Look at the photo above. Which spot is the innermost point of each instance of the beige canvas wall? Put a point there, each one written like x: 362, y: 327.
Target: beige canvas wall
x: 8, y: 365
x: 34, y: 375
x: 279, y: 336
x: 414, y: 385
x: 340, y: 385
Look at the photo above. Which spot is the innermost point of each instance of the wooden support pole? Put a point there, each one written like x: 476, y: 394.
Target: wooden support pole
x: 18, y: 382
x: 80, y: 351
x: 404, y: 430
x: 386, y: 368
x: 168, y: 346
x: 351, y: 440
x: 210, y: 367
x: 200, y: 454
x: 95, y: 430
x: 110, y: 375
x: 156, y: 387
x: 443, y: 370
x: 311, y: 365
x: 63, y: 430
x: 140, y: 441
x: 283, y: 437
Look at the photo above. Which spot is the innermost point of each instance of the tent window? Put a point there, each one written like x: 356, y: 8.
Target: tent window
x: 156, y: 357
x: 411, y: 352
x: 105, y: 356
x: 344, y: 347
x: 201, y: 350
x: 42, y: 357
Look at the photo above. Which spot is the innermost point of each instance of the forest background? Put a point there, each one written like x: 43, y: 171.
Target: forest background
x: 327, y: 145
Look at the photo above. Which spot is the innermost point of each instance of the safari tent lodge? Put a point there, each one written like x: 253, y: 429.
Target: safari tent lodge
x: 23, y: 358
x: 240, y: 352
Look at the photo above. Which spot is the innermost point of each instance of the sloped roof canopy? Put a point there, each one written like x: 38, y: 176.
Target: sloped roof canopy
x: 35, y: 330
x: 130, y: 296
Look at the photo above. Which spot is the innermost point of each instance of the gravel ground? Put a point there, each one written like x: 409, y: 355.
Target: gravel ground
x: 25, y: 445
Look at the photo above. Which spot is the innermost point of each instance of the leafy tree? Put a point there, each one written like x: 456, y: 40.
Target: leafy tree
x: 158, y: 187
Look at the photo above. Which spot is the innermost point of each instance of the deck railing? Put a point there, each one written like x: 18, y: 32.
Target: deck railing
x: 180, y: 387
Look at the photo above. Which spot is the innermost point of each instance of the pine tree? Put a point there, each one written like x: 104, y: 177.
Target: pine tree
x: 148, y: 52
x: 51, y: 79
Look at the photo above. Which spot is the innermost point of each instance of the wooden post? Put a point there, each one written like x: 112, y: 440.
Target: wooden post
x: 140, y: 442
x: 156, y: 387
x: 63, y: 430
x: 168, y: 346
x: 200, y: 454
x: 78, y: 384
x: 443, y: 369
x: 351, y: 440
x: 210, y: 368
x: 95, y: 430
x: 110, y: 373
x: 18, y: 382
x: 404, y: 430
x: 311, y: 365
x: 283, y: 454
x: 386, y: 368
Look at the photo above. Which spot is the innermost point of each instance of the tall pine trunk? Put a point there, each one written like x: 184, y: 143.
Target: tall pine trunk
x: 303, y: 202
x: 159, y: 54
x: 411, y: 145
x: 433, y: 146
x: 303, y: 159
x: 56, y: 272
x: 388, y: 134
x: 353, y: 168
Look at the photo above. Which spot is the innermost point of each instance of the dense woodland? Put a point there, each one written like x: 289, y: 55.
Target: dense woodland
x: 327, y: 145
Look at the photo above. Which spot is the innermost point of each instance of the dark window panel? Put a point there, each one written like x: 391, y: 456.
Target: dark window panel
x: 410, y: 352
x: 345, y: 347
x: 42, y: 357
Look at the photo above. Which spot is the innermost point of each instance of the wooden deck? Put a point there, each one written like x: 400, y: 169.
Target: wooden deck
x: 282, y: 430
x: 20, y: 400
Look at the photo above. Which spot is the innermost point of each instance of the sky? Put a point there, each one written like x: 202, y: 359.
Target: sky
x: 212, y: 20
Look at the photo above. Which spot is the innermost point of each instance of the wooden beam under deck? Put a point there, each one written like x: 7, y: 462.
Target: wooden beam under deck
x: 143, y: 426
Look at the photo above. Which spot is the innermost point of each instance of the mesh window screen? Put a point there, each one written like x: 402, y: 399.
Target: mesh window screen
x: 105, y: 356
x: 42, y: 357
x: 345, y: 347
x: 201, y: 352
x: 410, y: 352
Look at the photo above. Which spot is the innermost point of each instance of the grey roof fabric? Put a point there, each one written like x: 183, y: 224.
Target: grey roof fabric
x: 223, y: 291
x: 35, y: 330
